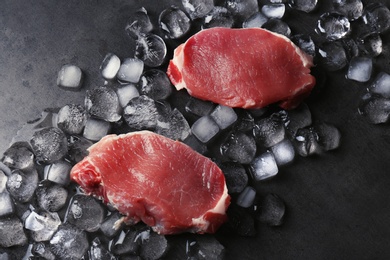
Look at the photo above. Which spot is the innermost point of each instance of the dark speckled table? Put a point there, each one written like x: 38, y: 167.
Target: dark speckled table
x: 338, y: 204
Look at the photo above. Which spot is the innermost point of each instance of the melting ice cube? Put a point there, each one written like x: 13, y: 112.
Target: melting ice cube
x: 381, y: 85
x: 224, y: 116
x: 110, y: 66
x: 71, y: 119
x: 360, y: 69
x: 283, y: 152
x: 205, y: 128
x: 174, y: 22
x: 255, y: 20
x: 247, y: 197
x: 274, y: 10
x: 155, y: 84
x: 352, y: 9
x: 264, y: 167
x: 51, y: 197
x: 130, y: 70
x: 70, y: 77
x: 333, y: 26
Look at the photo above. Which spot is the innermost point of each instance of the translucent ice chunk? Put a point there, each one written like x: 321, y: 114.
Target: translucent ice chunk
x: 273, y: 10
x: 333, y: 56
x: 126, y: 93
x: 155, y: 84
x: 11, y: 232
x: 174, y: 22
x: 42, y: 225
x: 51, y: 198
x: 352, y: 9
x: 205, y: 128
x: 242, y: 8
x: 151, y: 49
x: 247, y: 197
x: 95, y: 129
x: 264, y: 167
x: 269, y: 131
x: 71, y: 119
x: 49, y: 144
x: 218, y: 17
x: 239, y: 147
x: 333, y: 26
x: 224, y: 116
x: 141, y: 113
x: 173, y: 125
x: 110, y: 66
x: 22, y: 185
x: 58, y: 172
x: 381, y: 85
x: 303, y: 5
x: 19, y: 156
x: 283, y: 152
x: 103, y: 103
x: 360, y: 69
x: 6, y: 204
x: 377, y: 110
x: 377, y: 17
x: 197, y: 8
x: 235, y: 175
x: 277, y: 26
x: 70, y: 77
x: 138, y: 23
x: 130, y: 70
x: 255, y: 20
x: 271, y: 210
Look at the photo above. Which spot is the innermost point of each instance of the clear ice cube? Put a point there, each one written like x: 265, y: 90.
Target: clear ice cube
x: 224, y: 116
x: 277, y: 26
x: 197, y: 8
x: 256, y: 20
x: 235, y: 176
x: 242, y: 9
x: 141, y: 113
x: 219, y: 16
x: 352, y: 9
x: 239, y: 147
x: 51, y: 197
x: 381, y: 85
x: 333, y: 26
x: 6, y: 204
x: 264, y: 167
x: 130, y: 70
x: 138, y: 23
x: 247, y: 197
x: 49, y: 144
x: 126, y: 93
x: 42, y: 225
x: 377, y: 110
x: 332, y: 56
x: 283, y: 152
x: 96, y: 129
x: 70, y: 77
x: 173, y: 125
x: 174, y: 22
x: 11, y: 232
x: 377, y: 17
x: 271, y: 210
x: 155, y: 84
x: 269, y: 131
x: 22, y: 185
x: 303, y: 5
x: 19, y: 156
x: 151, y: 49
x: 110, y: 66
x: 58, y: 172
x: 205, y: 128
x: 71, y: 119
x: 360, y: 69
x: 274, y: 10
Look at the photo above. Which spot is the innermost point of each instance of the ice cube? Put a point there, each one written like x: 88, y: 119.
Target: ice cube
x: 305, y: 43
x: 269, y: 131
x: 70, y: 77
x: 49, y: 144
x: 360, y: 69
x: 224, y: 116
x: 110, y: 66
x: 174, y: 22
x: 155, y: 84
x: 351, y: 47
x: 328, y: 136
x: 256, y: 20
x: 283, y: 152
x: 151, y: 49
x: 112, y: 225
x: 239, y: 147
x: 130, y: 70
x: 103, y: 103
x: 95, y: 129
x: 78, y: 148
x: 22, y: 185
x: 333, y: 56
x: 139, y: 23
x: 51, y: 197
x: 58, y: 172
x: 271, y: 210
x: 242, y: 9
x: 377, y: 17
x: 352, y: 9
x: 195, y: 144
x: 99, y: 252
x: 141, y: 113
x: 3, y: 180
x: 6, y: 204
x: 173, y: 125
x: 197, y: 8
x: 126, y: 243
x: 277, y: 26
x: 69, y: 242
x: 274, y: 10
x: 11, y: 232
x: 154, y: 247
x: 235, y: 176
x: 126, y: 93
x: 299, y: 117
x: 42, y: 225
x: 381, y: 85
x: 333, y: 26
x: 219, y: 16
x: 240, y: 221
x: 204, y: 247
x: 85, y: 212
x: 371, y: 45
x: 377, y: 110
x: 205, y: 128
x: 199, y: 107
x: 247, y: 197
x: 42, y: 249
x: 19, y: 156
x: 264, y: 167
x: 306, y: 142
x: 245, y: 122
x: 71, y: 119
x: 303, y: 5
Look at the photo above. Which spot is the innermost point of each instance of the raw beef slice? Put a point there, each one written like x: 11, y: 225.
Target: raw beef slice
x: 248, y: 68
x: 152, y: 178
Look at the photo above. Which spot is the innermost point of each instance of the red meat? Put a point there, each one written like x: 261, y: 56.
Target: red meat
x: 248, y: 68
x: 152, y: 178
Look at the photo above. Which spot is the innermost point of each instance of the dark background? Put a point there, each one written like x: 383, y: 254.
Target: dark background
x: 338, y: 204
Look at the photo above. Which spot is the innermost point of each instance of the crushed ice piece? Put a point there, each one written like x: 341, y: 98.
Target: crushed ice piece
x: 197, y: 8
x: 6, y: 204
x: 141, y: 113
x: 71, y: 119
x: 377, y: 110
x: 256, y: 20
x: 235, y: 176
x: 22, y: 185
x: 328, y: 136
x: 242, y: 9
x: 333, y: 26
x: 126, y: 93
x: 109, y: 227
x: 239, y: 147
x: 49, y: 144
x: 269, y: 131
x: 274, y: 10
x: 283, y: 152
x: 377, y: 17
x: 151, y: 49
x: 154, y: 247
x: 50, y: 197
x: 58, y: 172
x: 173, y: 125
x: 371, y: 45
x: 332, y: 56
x: 224, y: 116
x: 110, y: 66
x: 174, y: 22
x: 130, y: 70
x: 381, y: 85
x: 277, y: 26
x: 205, y: 128
x: 219, y: 16
x: 241, y: 221
x: 11, y: 232
x: 96, y: 129
x: 271, y: 210
x: 306, y: 142
x: 247, y: 197
x: 70, y: 77
x: 42, y: 225
x: 155, y: 84
x: 19, y: 156
x: 352, y: 9
x: 303, y: 5
x: 360, y: 69
x: 138, y: 23
x: 264, y: 167
x: 305, y: 43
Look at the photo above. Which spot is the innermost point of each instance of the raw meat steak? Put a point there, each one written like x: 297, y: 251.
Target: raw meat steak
x: 152, y: 178
x: 248, y: 68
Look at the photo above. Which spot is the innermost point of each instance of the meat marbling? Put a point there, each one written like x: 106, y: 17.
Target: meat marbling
x: 247, y: 68
x: 152, y: 178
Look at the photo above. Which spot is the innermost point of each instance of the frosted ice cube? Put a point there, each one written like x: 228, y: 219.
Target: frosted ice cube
x: 235, y: 175
x: 242, y: 9
x: 174, y: 22
x: 247, y: 197
x: 42, y: 225
x: 303, y: 5
x: 71, y: 119
x: 218, y: 17
x: 173, y: 125
x: 95, y: 129
x: 273, y: 10
x: 377, y: 17
x: 126, y: 93
x: 224, y: 116
x: 333, y: 56
x: 49, y: 144
x: 51, y: 197
x: 255, y: 20
x: 371, y: 45
x: 264, y: 167
x: 70, y: 77
x: 283, y: 152
x: 58, y: 172
x: 197, y: 8
x: 269, y: 131
x: 205, y: 128
x: 103, y: 103
x: 277, y: 26
x: 11, y: 232
x: 110, y: 66
x: 333, y: 26
x: 271, y: 210
x: 130, y: 70
x: 151, y: 49
x: 6, y: 204
x: 381, y: 85
x: 360, y: 69
x: 155, y: 84
x: 352, y: 9
x: 328, y: 136
x: 239, y: 147
x: 138, y: 23
x: 141, y: 113
x: 377, y: 110
x: 78, y: 148
x: 19, y: 156
x: 22, y: 185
